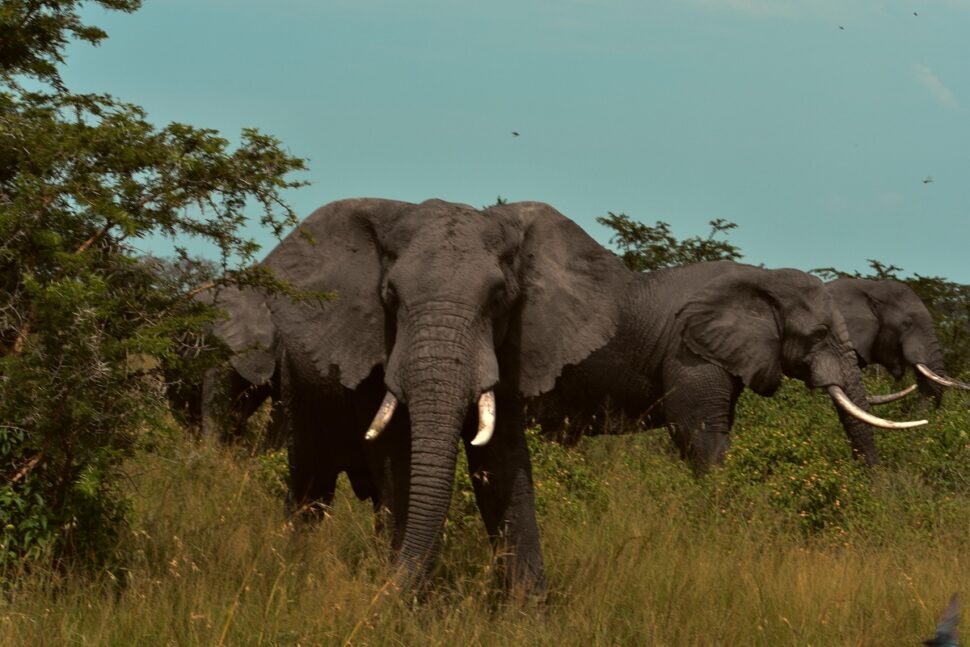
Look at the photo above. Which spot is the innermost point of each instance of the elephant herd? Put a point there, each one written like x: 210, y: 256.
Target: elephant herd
x: 453, y: 326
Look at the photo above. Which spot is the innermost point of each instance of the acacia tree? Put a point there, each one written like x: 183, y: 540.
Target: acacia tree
x: 644, y: 248
x: 84, y: 180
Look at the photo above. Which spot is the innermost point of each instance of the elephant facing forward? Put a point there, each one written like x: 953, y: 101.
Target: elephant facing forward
x: 890, y: 326
x: 445, y: 317
x: 691, y: 338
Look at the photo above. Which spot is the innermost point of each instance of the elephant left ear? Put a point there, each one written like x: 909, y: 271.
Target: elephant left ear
x: 249, y: 331
x: 732, y: 324
x: 568, y: 306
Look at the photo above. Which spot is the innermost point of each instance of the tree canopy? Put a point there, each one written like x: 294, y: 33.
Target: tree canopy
x: 85, y: 182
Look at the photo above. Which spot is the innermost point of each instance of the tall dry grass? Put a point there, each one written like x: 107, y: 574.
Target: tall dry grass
x: 637, y: 553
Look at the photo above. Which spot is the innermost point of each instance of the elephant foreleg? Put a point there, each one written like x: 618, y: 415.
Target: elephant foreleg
x: 699, y: 408
x: 501, y: 475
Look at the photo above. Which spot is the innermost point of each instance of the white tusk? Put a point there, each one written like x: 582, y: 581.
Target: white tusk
x: 891, y: 397
x: 486, y: 419
x: 383, y: 417
x: 939, y: 379
x: 843, y: 401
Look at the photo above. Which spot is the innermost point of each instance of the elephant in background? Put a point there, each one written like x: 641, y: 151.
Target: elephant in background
x: 691, y: 338
x: 889, y: 325
x: 231, y: 393
x: 445, y: 318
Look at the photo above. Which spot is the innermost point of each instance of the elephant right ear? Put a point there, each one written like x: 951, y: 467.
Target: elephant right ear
x: 336, y: 249
x: 732, y: 323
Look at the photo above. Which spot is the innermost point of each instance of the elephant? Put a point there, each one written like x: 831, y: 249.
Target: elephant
x: 890, y: 326
x: 232, y: 392
x: 691, y: 338
x: 445, y: 318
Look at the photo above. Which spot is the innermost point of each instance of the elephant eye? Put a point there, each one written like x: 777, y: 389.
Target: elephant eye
x: 819, y: 334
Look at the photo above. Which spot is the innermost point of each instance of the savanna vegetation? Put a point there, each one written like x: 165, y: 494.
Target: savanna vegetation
x: 120, y: 528
x: 792, y: 543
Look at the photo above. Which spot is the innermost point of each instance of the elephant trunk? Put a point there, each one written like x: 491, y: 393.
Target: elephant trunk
x: 921, y: 350
x: 860, y: 433
x: 439, y: 386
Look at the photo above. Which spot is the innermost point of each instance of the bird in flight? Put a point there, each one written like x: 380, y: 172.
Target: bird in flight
x: 841, y: 27
x: 928, y: 179
x: 946, y: 631
x: 515, y: 134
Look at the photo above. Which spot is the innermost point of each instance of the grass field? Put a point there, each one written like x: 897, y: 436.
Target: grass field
x: 792, y: 543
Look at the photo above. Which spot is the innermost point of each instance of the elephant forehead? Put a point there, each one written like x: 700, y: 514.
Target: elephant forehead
x: 453, y: 232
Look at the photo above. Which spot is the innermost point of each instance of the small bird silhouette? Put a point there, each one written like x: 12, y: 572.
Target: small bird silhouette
x: 946, y: 631
x: 841, y: 27
x: 515, y: 134
x: 928, y: 179
x: 915, y: 14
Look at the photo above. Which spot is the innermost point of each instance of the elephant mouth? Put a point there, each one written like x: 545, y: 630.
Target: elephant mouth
x: 842, y: 400
x: 486, y: 418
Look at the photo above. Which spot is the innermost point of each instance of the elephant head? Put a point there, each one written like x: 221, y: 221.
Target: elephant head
x: 761, y: 324
x: 455, y: 305
x: 890, y: 326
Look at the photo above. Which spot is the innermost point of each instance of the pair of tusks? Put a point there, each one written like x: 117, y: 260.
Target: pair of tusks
x: 925, y: 370
x: 486, y: 418
x: 854, y: 410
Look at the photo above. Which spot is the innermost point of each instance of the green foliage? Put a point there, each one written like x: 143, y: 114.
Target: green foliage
x: 790, y: 453
x: 948, y: 303
x: 33, y: 34
x: 644, y: 248
x: 660, y: 558
x: 85, y: 321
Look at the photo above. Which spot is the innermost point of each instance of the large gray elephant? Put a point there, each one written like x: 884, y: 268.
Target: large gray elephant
x: 445, y: 317
x: 889, y: 325
x: 691, y: 338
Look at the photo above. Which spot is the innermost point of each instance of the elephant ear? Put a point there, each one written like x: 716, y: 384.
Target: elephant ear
x: 249, y: 332
x: 731, y: 323
x: 860, y: 313
x: 336, y: 249
x: 569, y: 296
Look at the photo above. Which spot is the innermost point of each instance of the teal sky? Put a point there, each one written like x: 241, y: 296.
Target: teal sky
x: 812, y: 124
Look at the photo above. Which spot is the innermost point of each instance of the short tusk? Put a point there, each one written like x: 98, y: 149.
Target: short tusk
x: 891, y: 397
x: 939, y: 379
x: 383, y: 417
x: 843, y: 401
x: 486, y: 419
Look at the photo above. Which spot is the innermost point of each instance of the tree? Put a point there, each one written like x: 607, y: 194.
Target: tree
x: 83, y: 179
x: 645, y: 248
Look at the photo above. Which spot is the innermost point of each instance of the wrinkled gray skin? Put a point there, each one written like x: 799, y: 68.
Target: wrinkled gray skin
x: 890, y: 326
x: 233, y: 392
x: 691, y: 338
x: 437, y: 303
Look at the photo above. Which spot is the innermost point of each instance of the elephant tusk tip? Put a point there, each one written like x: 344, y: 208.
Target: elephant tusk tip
x: 371, y: 434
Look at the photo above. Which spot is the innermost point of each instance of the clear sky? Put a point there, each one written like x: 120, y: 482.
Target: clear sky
x: 811, y: 123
